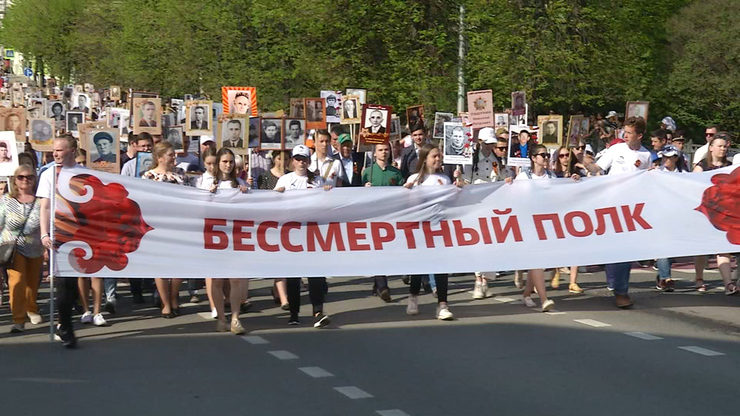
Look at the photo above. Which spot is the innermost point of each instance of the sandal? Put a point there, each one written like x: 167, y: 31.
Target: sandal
x: 730, y: 289
x: 701, y: 287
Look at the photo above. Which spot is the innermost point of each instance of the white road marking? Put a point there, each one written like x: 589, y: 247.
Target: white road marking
x: 316, y: 372
x: 392, y: 412
x: 255, y: 340
x: 591, y: 322
x: 353, y: 392
x: 283, y: 355
x: 701, y: 351
x: 555, y: 313
x: 643, y: 335
x: 503, y: 299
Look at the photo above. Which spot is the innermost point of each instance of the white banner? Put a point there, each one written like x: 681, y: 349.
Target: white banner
x: 113, y: 226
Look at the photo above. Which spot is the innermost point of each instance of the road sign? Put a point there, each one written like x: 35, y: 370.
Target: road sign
x: 9, y: 53
x: 28, y: 72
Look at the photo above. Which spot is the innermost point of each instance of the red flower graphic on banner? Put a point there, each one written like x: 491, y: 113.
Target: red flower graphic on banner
x: 721, y: 204
x: 109, y: 222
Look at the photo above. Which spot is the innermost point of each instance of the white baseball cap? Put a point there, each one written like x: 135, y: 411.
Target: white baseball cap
x: 301, y: 150
x: 205, y: 139
x: 487, y: 135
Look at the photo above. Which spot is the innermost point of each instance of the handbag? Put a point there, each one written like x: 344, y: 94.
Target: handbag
x: 7, y: 248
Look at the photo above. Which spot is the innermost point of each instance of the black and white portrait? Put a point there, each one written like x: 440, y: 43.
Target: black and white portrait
x: 296, y: 108
x: 144, y: 162
x: 314, y: 110
x: 103, y: 150
x: 375, y: 120
x: 550, y: 129
x: 333, y: 101
x: 198, y: 118
x: 272, y: 135
x: 501, y: 120
x: 350, y: 110
x: 637, y: 109
x: 439, y: 124
x: 115, y: 93
x: 55, y: 110
x: 42, y: 132
x: 518, y: 103
x: 295, y: 132
x: 360, y: 93
x: 73, y: 119
x: 458, y: 143
x: 254, y: 132
x: 233, y: 132
x: 175, y: 136
x: 81, y: 102
x: 36, y: 108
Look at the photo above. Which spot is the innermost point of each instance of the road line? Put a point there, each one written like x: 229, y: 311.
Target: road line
x: 591, y: 322
x: 503, y: 299
x: 283, y: 355
x: 316, y: 372
x: 392, y: 412
x: 643, y: 335
x: 255, y: 340
x: 701, y: 351
x: 353, y: 392
x: 555, y: 313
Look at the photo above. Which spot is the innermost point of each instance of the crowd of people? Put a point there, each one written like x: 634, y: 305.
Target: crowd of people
x: 330, y: 159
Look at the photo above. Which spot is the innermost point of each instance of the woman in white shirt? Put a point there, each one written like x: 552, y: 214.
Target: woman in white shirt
x: 428, y: 173
x: 224, y: 177
x: 205, y: 182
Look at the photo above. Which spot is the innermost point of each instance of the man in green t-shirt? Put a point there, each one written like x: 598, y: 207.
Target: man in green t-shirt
x: 381, y: 173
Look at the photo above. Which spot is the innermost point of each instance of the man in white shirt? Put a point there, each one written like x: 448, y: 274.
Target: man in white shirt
x: 701, y: 152
x: 322, y: 164
x: 142, y: 144
x: 622, y: 158
x: 64, y: 151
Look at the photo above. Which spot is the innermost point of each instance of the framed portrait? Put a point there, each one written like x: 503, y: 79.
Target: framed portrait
x: 333, y: 100
x: 73, y: 119
x: 439, y: 124
x: 36, y: 108
x: 519, y: 136
x: 480, y: 108
x: 17, y: 97
x: 271, y: 136
x: 119, y: 118
x: 520, y: 120
x: 239, y: 100
x: 395, y: 127
x: 174, y: 135
x: 295, y: 132
x: 88, y: 87
x: 315, y: 113
x: 8, y: 153
x: 41, y: 134
x: 550, y: 129
x: 518, y: 103
x: 458, y: 143
x: 637, y: 109
x: 465, y: 119
x: 14, y: 119
x: 351, y: 108
x: 501, y: 120
x: 137, y: 94
x: 78, y: 88
x: 361, y: 94
x: 376, y: 124
x: 115, y: 93
x: 81, y: 102
x: 296, y: 108
x: 414, y: 114
x: 574, y: 130
x: 103, y: 150
x: 254, y: 132
x: 84, y: 128
x: 144, y: 162
x: 147, y: 115
x: 585, y: 125
x: 233, y: 131
x: 198, y: 118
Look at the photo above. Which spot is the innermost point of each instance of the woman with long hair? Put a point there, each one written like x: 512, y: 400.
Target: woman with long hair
x: 205, y: 182
x: 163, y: 169
x: 20, y: 222
x: 429, y: 173
x: 716, y: 158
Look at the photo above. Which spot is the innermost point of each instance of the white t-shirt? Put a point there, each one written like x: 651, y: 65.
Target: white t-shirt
x: 292, y: 181
x: 329, y: 170
x: 206, y: 182
x: 736, y: 159
x: 433, y: 179
x: 523, y: 175
x: 700, y: 154
x: 621, y: 159
x: 45, y: 188
x: 129, y: 168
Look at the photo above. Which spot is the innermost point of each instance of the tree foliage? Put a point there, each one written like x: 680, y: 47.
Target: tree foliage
x: 568, y: 55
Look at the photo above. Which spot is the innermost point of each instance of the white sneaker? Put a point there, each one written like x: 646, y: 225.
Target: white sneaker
x: 214, y: 314
x: 477, y: 291
x: 413, y: 306
x: 87, y: 318
x: 35, y: 318
x: 484, y: 288
x: 444, y: 314
x: 548, y: 305
x: 528, y: 302
x: 98, y: 320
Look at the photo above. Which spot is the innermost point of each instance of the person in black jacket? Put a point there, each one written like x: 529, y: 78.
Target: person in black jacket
x: 410, y: 155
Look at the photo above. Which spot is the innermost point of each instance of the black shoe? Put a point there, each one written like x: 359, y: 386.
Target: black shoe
x: 321, y: 320
x: 245, y: 306
x: 110, y: 307
x: 68, y: 338
x: 294, y: 321
x: 385, y: 294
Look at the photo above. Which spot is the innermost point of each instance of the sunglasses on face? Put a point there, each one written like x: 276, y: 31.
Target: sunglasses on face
x: 300, y: 158
x: 563, y: 156
x: 709, y: 134
x: 501, y: 148
x: 580, y: 147
x: 26, y: 177
x: 544, y: 155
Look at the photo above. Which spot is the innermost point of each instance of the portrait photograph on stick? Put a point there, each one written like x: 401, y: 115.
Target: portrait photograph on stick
x: 73, y: 119
x: 14, y: 119
x: 518, y: 103
x: 550, y: 130
x: 272, y: 134
x: 439, y: 124
x: 574, y: 130
x: 103, y: 150
x: 296, y: 108
x: 350, y: 110
x: 360, y: 93
x: 333, y: 100
x: 174, y: 135
x: 41, y: 133
x: 501, y: 120
x: 147, y: 115
x: 414, y: 114
x: 239, y: 100
x: 233, y: 131
x: 458, y: 144
x: 198, y: 118
x: 254, y: 132
x: 520, y: 146
x: 295, y: 132
x: 637, y: 109
x: 8, y: 153
x: 376, y: 123
x: 315, y: 114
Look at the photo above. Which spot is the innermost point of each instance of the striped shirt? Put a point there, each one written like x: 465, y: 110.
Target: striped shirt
x: 12, y: 216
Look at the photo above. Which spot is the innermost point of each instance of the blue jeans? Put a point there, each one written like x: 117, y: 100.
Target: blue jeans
x: 618, y: 277
x: 664, y: 268
x: 109, y: 283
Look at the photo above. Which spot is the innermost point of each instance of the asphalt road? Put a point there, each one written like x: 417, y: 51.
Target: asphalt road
x: 674, y: 354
